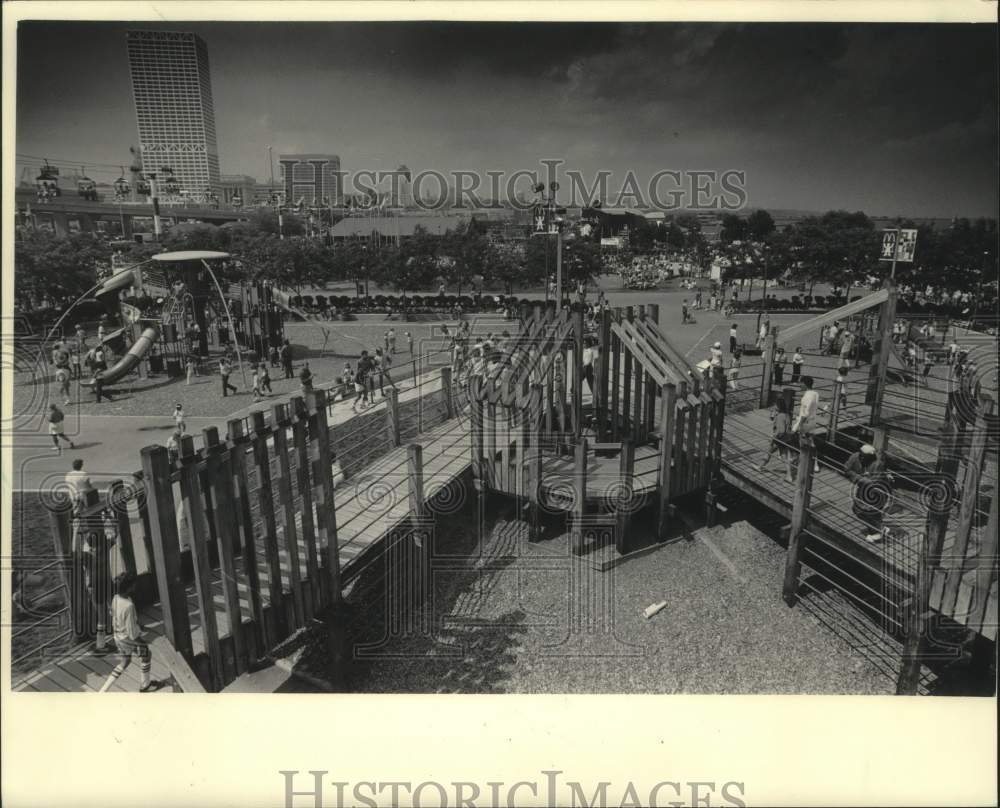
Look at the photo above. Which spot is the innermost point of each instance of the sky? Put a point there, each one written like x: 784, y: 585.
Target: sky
x: 896, y: 119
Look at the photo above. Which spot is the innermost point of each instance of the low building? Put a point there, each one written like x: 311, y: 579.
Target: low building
x: 393, y: 228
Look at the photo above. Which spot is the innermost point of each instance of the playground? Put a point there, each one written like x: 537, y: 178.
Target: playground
x: 611, y: 479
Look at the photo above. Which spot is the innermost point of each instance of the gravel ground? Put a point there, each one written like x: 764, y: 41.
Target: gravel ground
x: 505, y: 627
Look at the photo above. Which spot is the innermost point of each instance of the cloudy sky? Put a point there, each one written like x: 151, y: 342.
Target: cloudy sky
x: 890, y: 119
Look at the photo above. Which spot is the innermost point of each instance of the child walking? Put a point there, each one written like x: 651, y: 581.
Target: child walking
x: 179, y: 421
x: 128, y: 636
x: 798, y: 360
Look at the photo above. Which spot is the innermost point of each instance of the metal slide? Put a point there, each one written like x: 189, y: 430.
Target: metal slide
x: 131, y: 358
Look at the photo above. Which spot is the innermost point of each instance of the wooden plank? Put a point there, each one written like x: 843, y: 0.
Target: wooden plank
x: 986, y: 568
x: 119, y: 496
x: 800, y: 509
x: 796, y: 332
x: 269, y: 530
x: 326, y: 505
x: 166, y: 547
x: 446, y: 390
x: 706, y: 418
x: 615, y: 381
x: 694, y: 418
x: 300, y: 439
x: 884, y: 346
x: 624, y: 511
x: 668, y: 405
x: 639, y: 421
x: 178, y: 666
x: 281, y: 421
x: 491, y: 445
x: 194, y: 509
x: 679, y: 477
x: 392, y: 416
x: 601, y: 383
x: 627, y: 394
x: 915, y: 626
x: 220, y: 476
x: 968, y: 506
x: 579, y: 495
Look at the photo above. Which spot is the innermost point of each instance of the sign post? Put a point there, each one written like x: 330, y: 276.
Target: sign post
x: 898, y: 245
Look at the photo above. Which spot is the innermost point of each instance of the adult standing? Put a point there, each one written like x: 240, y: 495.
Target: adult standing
x: 225, y: 370
x: 286, y: 359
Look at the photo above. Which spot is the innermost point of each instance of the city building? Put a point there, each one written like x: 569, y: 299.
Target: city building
x: 175, y: 115
x: 233, y: 185
x: 312, y: 178
x: 393, y: 228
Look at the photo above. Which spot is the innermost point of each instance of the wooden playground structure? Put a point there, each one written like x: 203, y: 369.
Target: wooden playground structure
x: 643, y: 439
x: 596, y: 427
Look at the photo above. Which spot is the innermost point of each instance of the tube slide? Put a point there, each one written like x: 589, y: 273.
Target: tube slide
x: 132, y: 357
x: 119, y: 280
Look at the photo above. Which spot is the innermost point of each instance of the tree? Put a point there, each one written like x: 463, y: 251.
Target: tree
x: 759, y: 225
x: 734, y: 228
x: 54, y: 268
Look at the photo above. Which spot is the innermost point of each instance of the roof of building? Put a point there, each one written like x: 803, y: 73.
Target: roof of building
x: 395, y: 225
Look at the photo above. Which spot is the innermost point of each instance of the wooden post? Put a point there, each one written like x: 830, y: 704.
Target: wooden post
x: 668, y: 403
x: 880, y: 440
x: 968, y: 506
x: 615, y: 413
x: 142, y: 506
x: 70, y: 570
x: 281, y: 423
x: 579, y: 495
x: 476, y: 431
x: 220, y: 477
x: 945, y: 473
x: 770, y: 343
x: 166, y: 548
x: 118, y: 500
x: 986, y: 570
x: 603, y: 379
x: 800, y: 507
x: 449, y: 403
x: 327, y: 506
x: 238, y: 455
x: 838, y: 394
x: 392, y: 415
x: 300, y: 438
x: 681, y: 459
x: 883, y: 348
x: 415, y: 470
x: 627, y: 394
x: 533, y: 474
x: 269, y: 526
x: 915, y: 626
x: 578, y: 334
x: 623, y: 514
x: 194, y: 507
x: 691, y: 444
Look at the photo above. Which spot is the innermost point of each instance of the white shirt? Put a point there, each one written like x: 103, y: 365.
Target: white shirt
x: 809, y: 405
x: 123, y: 619
x: 588, y: 356
x: 78, y: 483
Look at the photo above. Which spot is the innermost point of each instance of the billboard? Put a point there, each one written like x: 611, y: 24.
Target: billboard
x: 898, y: 245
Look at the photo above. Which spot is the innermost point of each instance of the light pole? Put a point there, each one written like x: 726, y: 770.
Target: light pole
x: 763, y: 300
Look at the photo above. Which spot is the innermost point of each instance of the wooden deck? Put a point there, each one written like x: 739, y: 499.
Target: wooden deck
x: 369, y: 507
x: 831, y: 519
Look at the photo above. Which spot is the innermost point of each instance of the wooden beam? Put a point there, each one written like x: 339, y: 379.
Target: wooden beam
x: 220, y: 476
x: 968, y: 506
x: 884, y: 347
x: 392, y: 416
x: 624, y: 511
x: 446, y: 391
x: 269, y: 526
x: 281, y: 421
x: 579, y: 494
x: 244, y: 519
x: 300, y: 439
x: 800, y: 508
x: 986, y: 568
x: 177, y: 665
x: 327, y: 506
x: 915, y: 627
x: 194, y: 509
x: 166, y: 548
x: 668, y: 404
x: 768, y: 374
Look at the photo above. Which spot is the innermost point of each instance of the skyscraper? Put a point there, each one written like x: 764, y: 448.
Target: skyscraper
x: 172, y: 90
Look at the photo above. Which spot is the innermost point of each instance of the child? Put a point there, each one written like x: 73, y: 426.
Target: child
x: 390, y: 347
x: 928, y: 361
x: 62, y: 377
x: 409, y: 342
x: 346, y: 381
x: 335, y: 470
x: 174, y: 445
x: 128, y: 636
x: 798, y: 360
x: 732, y: 338
x: 734, y: 371
x: 190, y: 370
x: 179, y: 417
x: 780, y: 360
x: 275, y: 359
x: 265, y: 378
x: 56, y: 419
x: 255, y: 384
x: 360, y: 389
x: 74, y: 363
x: 781, y: 438
x: 842, y: 384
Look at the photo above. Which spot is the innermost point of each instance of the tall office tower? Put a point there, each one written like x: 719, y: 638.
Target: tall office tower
x: 172, y: 90
x: 311, y: 178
